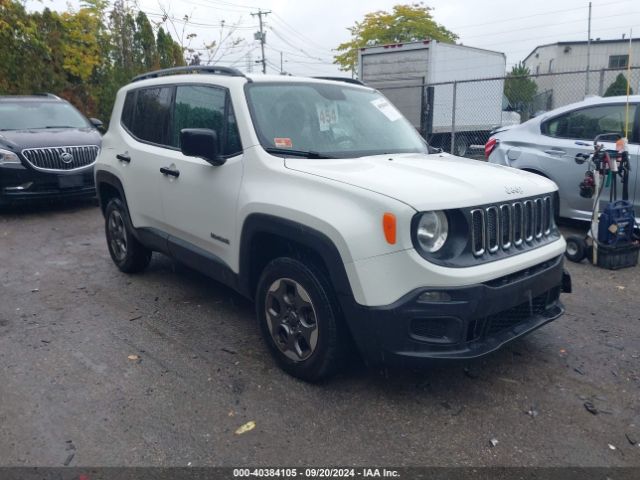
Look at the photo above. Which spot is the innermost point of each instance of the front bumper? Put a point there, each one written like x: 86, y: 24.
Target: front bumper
x: 19, y: 184
x: 474, y: 321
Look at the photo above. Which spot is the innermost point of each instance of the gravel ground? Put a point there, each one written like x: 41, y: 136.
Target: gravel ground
x: 162, y: 368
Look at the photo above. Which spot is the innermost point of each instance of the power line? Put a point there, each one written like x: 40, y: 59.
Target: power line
x: 217, y: 7
x: 295, y: 47
x: 626, y: 14
x: 580, y: 32
x: 535, y: 15
x: 294, y: 54
x: 222, y: 23
x: 230, y: 4
x: 279, y: 19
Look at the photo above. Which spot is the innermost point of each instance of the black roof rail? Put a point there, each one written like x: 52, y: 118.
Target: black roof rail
x: 210, y: 69
x: 354, y: 81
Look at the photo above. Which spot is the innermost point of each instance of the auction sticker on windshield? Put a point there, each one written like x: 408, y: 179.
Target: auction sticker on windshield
x: 386, y: 108
x: 327, y: 115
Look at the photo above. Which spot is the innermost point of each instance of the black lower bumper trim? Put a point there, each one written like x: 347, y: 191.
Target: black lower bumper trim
x: 473, y: 321
x: 24, y: 196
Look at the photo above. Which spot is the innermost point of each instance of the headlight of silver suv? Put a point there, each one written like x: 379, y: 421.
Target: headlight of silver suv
x: 7, y: 157
x: 432, y: 230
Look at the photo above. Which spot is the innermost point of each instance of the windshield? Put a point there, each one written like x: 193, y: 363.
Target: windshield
x: 332, y: 121
x: 34, y: 115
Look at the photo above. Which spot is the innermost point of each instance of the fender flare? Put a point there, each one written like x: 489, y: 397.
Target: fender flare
x: 108, y: 178
x: 314, y: 240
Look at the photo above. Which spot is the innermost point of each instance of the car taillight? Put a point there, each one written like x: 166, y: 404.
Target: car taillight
x: 490, y: 146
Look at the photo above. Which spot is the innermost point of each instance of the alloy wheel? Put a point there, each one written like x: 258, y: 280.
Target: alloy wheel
x: 117, y: 235
x: 291, y: 319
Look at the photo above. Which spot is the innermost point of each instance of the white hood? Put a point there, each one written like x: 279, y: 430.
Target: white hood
x: 429, y: 182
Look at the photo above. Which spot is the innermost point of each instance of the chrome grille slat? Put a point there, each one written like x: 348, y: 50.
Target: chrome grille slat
x: 492, y: 229
x: 477, y: 232
x: 539, y: 217
x: 528, y: 221
x: 48, y: 158
x: 506, y: 225
x: 51, y: 161
x: 518, y: 224
x: 548, y: 209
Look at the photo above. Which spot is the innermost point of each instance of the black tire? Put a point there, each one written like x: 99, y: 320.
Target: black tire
x: 300, y: 282
x: 576, y: 248
x: 129, y: 255
x: 461, y: 147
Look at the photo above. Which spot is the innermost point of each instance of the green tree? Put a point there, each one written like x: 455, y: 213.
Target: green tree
x: 618, y: 87
x: 145, y: 42
x: 169, y: 52
x: 83, y: 55
x: 520, y: 90
x: 405, y: 23
x: 22, y: 49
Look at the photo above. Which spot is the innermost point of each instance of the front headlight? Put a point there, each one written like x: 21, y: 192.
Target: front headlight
x: 432, y: 231
x: 7, y: 157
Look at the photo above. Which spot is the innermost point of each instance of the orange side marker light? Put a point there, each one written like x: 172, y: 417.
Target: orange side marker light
x: 389, y: 227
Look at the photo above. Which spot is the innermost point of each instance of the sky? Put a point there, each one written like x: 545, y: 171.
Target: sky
x: 307, y: 31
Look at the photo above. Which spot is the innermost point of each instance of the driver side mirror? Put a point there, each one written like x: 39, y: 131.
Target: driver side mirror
x: 201, y: 142
x: 97, y: 123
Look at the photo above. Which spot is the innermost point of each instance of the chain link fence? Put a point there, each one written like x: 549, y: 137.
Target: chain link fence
x: 459, y: 116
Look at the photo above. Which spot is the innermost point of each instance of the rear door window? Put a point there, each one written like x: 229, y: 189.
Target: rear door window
x: 587, y: 123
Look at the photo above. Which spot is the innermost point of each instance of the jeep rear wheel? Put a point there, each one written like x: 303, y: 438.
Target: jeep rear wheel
x: 126, y: 251
x: 300, y: 319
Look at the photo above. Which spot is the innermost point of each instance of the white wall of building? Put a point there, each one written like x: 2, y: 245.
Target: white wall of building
x: 564, y: 89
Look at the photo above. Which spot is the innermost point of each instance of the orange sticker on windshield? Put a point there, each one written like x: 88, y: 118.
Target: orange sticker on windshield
x: 283, y: 142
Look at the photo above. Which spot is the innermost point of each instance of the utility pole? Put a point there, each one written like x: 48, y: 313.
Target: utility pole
x: 262, y: 37
x: 586, y: 88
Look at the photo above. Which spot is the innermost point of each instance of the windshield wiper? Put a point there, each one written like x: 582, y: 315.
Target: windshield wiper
x: 297, y: 153
x: 59, y: 126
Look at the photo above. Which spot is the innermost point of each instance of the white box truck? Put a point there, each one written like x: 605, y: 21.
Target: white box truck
x: 425, y: 79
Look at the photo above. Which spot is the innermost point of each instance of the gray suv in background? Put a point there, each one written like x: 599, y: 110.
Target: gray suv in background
x: 553, y: 143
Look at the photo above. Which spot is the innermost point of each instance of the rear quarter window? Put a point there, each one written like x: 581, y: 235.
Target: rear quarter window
x: 127, y: 110
x: 151, y: 114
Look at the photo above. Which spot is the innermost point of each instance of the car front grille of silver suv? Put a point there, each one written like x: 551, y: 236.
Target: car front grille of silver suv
x: 57, y: 159
x: 512, y: 225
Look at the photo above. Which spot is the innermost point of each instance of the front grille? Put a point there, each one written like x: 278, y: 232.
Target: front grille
x: 507, y: 225
x: 61, y: 158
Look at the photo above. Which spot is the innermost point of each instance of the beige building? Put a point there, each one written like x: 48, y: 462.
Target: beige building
x: 605, y: 60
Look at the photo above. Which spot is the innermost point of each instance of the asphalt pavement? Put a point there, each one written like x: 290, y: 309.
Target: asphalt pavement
x: 99, y: 368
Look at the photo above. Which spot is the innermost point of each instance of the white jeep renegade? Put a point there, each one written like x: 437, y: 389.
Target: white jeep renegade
x: 317, y: 200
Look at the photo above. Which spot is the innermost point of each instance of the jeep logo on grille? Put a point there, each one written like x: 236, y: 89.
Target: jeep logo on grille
x: 513, y: 190
x: 66, y: 157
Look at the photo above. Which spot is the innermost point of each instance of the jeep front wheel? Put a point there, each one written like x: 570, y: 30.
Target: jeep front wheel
x: 300, y: 319
x: 126, y: 251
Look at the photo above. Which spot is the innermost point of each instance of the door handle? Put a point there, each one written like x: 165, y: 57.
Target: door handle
x: 124, y: 157
x: 169, y: 171
x: 558, y: 153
